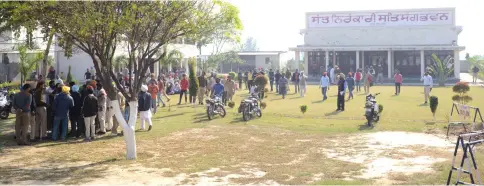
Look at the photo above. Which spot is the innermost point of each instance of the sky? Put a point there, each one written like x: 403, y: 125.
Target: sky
x: 275, y: 24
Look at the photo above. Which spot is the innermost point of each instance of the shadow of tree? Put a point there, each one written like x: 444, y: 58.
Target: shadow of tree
x: 68, y: 174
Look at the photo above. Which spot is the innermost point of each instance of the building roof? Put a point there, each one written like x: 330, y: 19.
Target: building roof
x: 255, y: 53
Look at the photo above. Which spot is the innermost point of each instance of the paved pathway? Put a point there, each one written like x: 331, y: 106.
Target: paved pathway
x: 467, y: 77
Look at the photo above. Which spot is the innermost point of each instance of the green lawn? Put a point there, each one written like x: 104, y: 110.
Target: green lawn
x: 185, y: 141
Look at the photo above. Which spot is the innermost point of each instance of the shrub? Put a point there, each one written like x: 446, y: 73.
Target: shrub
x: 434, y: 102
x: 461, y: 88
x: 69, y: 76
x: 231, y: 104
x: 380, y: 108
x: 233, y: 75
x: 303, y: 108
x: 192, y: 76
x: 261, y: 81
x: 263, y: 105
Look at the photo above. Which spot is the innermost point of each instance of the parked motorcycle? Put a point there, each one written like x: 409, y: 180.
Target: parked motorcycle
x: 5, y: 104
x: 371, y: 109
x: 250, y: 107
x: 215, y: 106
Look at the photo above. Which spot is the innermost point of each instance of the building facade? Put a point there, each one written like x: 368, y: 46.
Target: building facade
x: 257, y: 60
x: 401, y: 40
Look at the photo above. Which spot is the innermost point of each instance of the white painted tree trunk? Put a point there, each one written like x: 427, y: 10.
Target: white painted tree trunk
x: 128, y: 128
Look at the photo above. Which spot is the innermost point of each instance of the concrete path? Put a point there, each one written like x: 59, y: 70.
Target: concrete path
x: 467, y: 77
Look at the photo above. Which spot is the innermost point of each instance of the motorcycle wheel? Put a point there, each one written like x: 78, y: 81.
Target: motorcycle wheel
x: 258, y: 113
x: 4, y: 114
x: 221, y: 112
x: 246, y: 114
x: 209, y: 112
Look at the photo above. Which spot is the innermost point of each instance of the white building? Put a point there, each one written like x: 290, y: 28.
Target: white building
x: 256, y: 60
x: 393, y: 39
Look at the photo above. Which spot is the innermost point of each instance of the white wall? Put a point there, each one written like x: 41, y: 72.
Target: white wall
x: 79, y: 63
x: 260, y: 61
x: 388, y: 36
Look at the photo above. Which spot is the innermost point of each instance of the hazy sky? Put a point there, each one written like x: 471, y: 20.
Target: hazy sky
x: 276, y: 23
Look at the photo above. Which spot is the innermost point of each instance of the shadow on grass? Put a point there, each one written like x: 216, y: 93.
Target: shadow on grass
x: 297, y: 97
x: 72, y: 141
x: 423, y: 105
x: 320, y: 101
x: 238, y: 120
x: 169, y: 116
x: 365, y: 126
x: 332, y: 113
x: 68, y: 174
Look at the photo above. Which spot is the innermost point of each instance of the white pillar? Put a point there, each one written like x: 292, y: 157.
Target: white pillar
x: 363, y: 61
x: 157, y: 69
x: 306, y: 62
x: 389, y: 63
x: 327, y: 60
x: 456, y: 64
x: 186, y: 66
x: 357, y: 60
x: 297, y: 59
x: 422, y: 63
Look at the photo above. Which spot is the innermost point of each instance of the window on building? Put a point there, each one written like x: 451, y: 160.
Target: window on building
x: 268, y: 60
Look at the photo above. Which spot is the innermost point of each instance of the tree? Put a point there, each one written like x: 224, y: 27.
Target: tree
x: 231, y: 57
x: 27, y: 61
x: 291, y: 64
x: 250, y: 45
x: 172, y: 57
x: 120, y: 62
x: 70, y: 78
x: 441, y: 69
x: 194, y: 84
x: 477, y: 61
x: 97, y: 28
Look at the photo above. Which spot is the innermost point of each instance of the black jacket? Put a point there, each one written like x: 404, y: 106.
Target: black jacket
x: 278, y: 76
x: 202, y: 81
x: 89, y: 106
x: 144, y: 101
x: 341, y: 85
x: 271, y: 76
x: 75, y: 111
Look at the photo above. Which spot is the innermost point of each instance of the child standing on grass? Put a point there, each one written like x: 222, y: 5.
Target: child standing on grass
x: 398, y: 82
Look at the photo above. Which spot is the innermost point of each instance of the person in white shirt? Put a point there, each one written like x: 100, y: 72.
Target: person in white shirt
x: 331, y: 75
x: 428, y: 84
x: 324, y: 84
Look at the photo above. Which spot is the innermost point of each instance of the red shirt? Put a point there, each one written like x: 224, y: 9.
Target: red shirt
x: 398, y: 78
x: 184, y: 84
x: 358, y: 76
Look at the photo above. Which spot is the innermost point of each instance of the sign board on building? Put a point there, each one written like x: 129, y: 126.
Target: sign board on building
x: 381, y: 18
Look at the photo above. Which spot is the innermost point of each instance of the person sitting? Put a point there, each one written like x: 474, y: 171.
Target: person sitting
x: 176, y: 88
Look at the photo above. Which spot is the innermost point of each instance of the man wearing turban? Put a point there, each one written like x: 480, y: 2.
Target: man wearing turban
x: 63, y: 102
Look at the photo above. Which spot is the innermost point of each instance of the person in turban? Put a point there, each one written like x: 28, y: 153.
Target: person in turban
x: 63, y: 102
x: 144, y: 106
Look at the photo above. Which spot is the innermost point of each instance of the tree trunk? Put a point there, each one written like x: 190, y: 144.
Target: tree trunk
x: 128, y: 128
x: 46, y: 55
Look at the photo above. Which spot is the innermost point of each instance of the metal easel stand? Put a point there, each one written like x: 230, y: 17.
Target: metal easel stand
x: 467, y: 148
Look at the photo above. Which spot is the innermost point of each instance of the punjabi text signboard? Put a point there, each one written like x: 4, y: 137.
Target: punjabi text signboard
x: 380, y: 18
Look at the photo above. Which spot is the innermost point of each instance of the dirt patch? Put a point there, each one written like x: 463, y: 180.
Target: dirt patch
x: 231, y: 155
x: 385, y: 153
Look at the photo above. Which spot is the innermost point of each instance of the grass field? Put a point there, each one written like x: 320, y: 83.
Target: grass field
x: 283, y: 147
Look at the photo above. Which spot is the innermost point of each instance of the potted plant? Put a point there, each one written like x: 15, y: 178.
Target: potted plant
x: 303, y: 108
x: 461, y: 88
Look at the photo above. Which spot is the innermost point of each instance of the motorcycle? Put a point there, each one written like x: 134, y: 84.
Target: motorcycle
x: 5, y: 104
x: 250, y: 107
x: 215, y: 106
x: 371, y: 109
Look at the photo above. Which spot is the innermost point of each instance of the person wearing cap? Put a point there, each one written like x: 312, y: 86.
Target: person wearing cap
x: 63, y: 102
x: 144, y: 106
x: 75, y: 112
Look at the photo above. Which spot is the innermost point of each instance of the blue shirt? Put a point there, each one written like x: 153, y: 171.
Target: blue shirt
x: 218, y: 89
x: 324, y: 81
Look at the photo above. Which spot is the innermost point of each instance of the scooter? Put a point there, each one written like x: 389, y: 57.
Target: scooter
x: 5, y: 104
x: 371, y: 109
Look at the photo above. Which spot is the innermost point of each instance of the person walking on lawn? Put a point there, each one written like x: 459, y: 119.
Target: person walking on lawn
x: 89, y: 111
x: 428, y: 84
x: 249, y: 80
x: 324, y: 84
x: 21, y: 104
x: 295, y: 80
x: 162, y: 92
x: 153, y: 90
x: 367, y: 81
x: 283, y: 85
x: 350, y: 81
x: 475, y: 72
x: 183, y: 88
x: 239, y: 77
x: 358, y: 80
x: 277, y: 77
x: 144, y: 105
x: 302, y: 83
x: 341, y: 92
x: 398, y: 82
x: 203, y: 82
x: 63, y: 102
x: 271, y: 79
